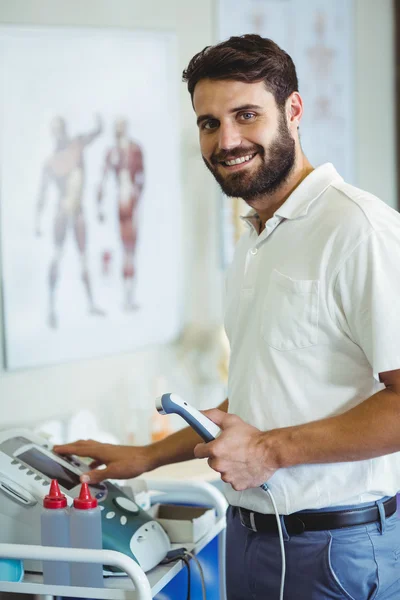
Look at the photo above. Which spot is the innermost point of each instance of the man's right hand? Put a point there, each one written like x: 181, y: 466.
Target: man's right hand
x: 122, y: 462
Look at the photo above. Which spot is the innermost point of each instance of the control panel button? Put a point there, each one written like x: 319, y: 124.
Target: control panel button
x: 110, y: 515
x: 126, y: 504
x: 123, y: 520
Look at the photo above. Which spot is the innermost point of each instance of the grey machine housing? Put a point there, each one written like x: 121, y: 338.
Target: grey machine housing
x: 27, y: 465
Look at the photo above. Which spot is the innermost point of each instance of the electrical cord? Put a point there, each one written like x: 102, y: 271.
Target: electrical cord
x: 187, y: 563
x: 203, y: 583
x: 185, y: 555
x: 179, y: 554
x: 265, y: 487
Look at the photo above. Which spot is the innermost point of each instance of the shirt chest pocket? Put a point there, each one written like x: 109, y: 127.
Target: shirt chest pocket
x: 290, y: 313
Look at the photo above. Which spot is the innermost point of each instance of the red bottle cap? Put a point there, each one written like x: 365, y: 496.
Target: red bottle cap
x: 85, y: 500
x: 55, y: 498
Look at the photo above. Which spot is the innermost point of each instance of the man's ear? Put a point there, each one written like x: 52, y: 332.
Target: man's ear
x: 294, y: 109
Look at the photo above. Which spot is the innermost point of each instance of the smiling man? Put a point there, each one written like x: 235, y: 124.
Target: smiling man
x: 314, y: 383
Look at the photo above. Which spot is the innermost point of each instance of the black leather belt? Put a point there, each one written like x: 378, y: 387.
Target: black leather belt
x: 299, y: 522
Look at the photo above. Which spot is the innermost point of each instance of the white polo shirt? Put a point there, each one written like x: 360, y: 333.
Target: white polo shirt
x: 312, y: 316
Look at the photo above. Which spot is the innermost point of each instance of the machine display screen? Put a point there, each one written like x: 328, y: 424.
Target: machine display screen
x: 50, y: 468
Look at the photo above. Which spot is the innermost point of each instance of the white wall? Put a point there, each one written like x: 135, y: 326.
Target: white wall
x: 375, y: 98
x: 114, y: 381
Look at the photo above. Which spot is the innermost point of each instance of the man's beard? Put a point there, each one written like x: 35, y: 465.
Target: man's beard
x: 268, y: 177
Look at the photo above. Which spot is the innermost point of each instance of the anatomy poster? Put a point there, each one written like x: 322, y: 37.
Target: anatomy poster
x: 89, y: 192
x: 318, y: 34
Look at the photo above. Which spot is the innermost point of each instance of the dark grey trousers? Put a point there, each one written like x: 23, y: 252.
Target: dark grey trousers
x: 355, y: 563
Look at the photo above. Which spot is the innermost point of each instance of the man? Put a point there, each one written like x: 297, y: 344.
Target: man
x: 314, y: 381
x: 65, y: 169
x: 126, y: 160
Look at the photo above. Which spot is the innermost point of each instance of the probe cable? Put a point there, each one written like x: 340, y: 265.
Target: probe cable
x: 265, y: 487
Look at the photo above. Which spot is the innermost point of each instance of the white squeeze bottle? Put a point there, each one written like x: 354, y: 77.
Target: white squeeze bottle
x: 55, y: 532
x: 85, y: 530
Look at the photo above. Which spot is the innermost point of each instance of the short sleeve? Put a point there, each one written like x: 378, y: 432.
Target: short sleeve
x: 367, y: 288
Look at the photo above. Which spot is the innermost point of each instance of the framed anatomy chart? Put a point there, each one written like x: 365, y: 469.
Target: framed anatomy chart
x: 90, y: 193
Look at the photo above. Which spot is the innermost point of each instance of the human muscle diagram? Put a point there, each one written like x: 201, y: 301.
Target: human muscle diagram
x: 65, y: 170
x: 125, y: 161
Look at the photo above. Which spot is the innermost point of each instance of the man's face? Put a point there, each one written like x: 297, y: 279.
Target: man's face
x: 244, y: 137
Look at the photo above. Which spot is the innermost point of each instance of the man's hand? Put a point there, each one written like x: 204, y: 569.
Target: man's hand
x: 122, y: 462
x: 239, y: 453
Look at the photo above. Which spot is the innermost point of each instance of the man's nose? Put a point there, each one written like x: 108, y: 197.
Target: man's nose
x: 229, y: 137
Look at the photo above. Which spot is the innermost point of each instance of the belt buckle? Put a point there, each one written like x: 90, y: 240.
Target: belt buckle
x: 252, y: 523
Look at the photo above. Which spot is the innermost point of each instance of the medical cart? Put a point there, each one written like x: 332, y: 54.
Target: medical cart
x: 137, y: 585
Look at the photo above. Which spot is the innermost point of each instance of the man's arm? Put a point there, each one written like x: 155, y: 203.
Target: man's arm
x: 368, y: 430
x: 124, y: 462
x: 246, y: 456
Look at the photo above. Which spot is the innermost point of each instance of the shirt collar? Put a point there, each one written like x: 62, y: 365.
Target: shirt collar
x: 300, y: 200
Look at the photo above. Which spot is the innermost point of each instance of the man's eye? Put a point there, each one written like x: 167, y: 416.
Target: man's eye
x: 247, y: 116
x: 210, y: 124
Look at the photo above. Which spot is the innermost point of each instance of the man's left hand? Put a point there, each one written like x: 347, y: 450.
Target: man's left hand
x: 238, y: 453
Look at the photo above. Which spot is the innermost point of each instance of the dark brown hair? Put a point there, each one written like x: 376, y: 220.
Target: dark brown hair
x: 249, y: 58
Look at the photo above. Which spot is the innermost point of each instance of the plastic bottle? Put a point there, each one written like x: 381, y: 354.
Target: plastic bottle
x: 55, y: 532
x: 85, y: 530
